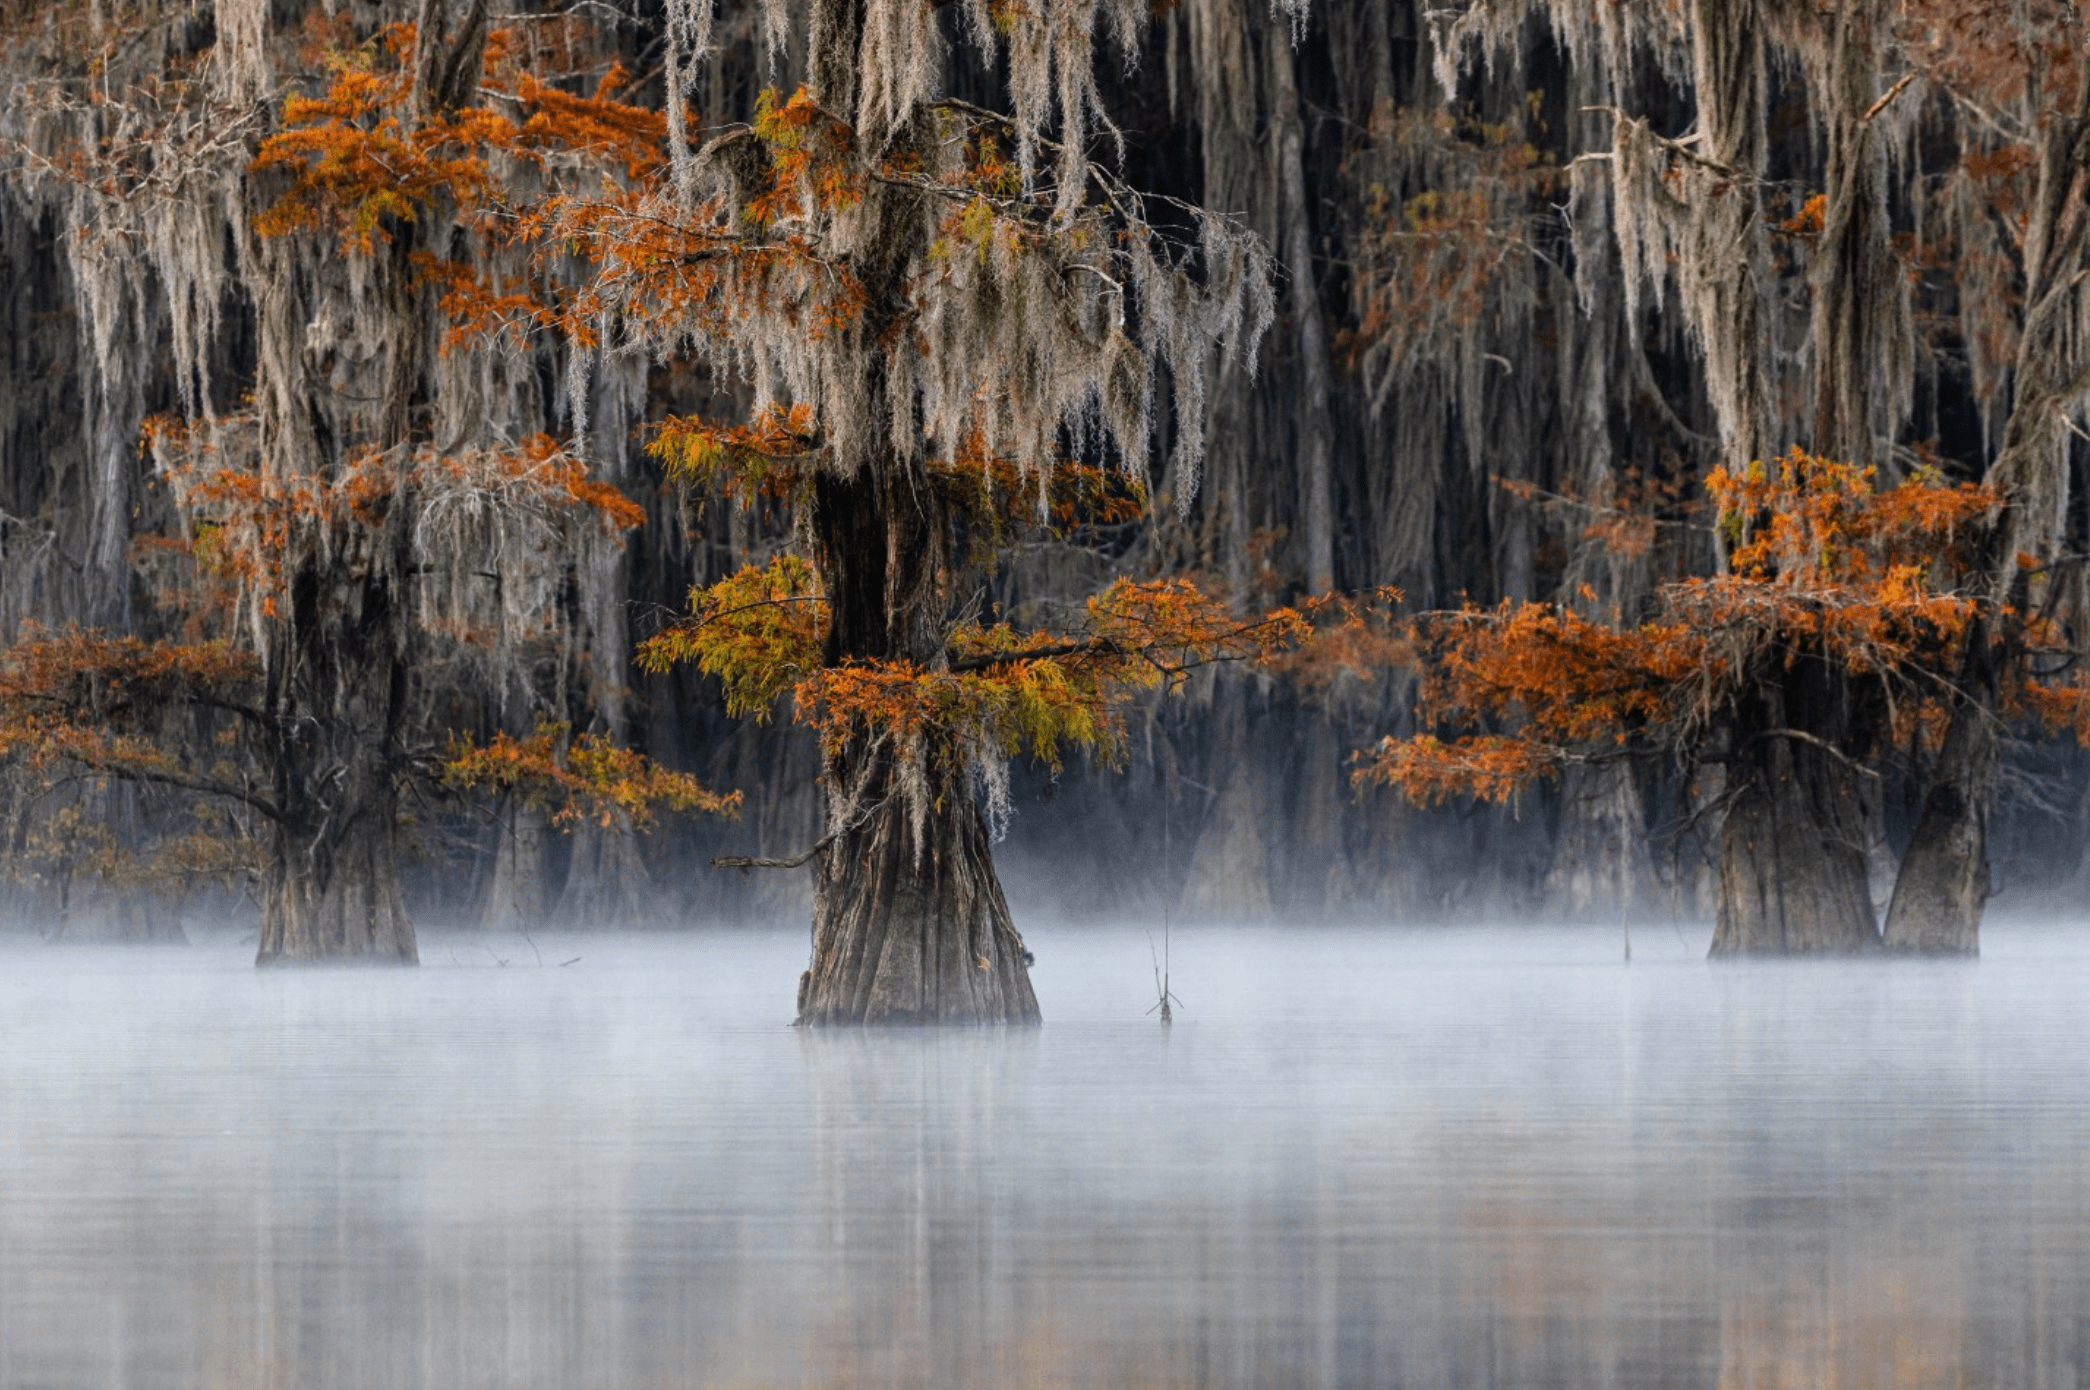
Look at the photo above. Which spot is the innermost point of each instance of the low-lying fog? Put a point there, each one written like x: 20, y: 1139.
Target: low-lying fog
x: 1359, y: 1158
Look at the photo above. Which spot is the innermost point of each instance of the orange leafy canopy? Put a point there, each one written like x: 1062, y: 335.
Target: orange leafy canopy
x: 773, y: 456
x: 115, y: 704
x: 1820, y: 565
x: 577, y: 779
x: 997, y: 690
x: 361, y: 154
x: 366, y: 157
x: 251, y: 527
x: 713, y: 269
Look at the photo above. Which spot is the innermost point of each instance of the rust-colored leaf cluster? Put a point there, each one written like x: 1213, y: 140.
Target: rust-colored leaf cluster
x: 1821, y: 566
x: 577, y: 779
x: 364, y: 156
x: 995, y: 688
x: 767, y: 457
x: 1434, y: 252
x: 117, y: 706
x: 250, y: 527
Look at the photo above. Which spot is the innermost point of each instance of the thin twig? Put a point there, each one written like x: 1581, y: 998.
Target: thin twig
x: 746, y: 862
x: 1889, y: 95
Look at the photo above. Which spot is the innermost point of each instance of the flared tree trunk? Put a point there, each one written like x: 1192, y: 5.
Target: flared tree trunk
x: 1944, y: 879
x: 515, y: 892
x: 1789, y: 883
x: 339, y: 689
x: 914, y: 930
x: 1229, y: 876
x: 607, y: 883
x: 909, y: 922
x: 1793, y: 875
x: 333, y: 892
x: 1600, y: 862
x: 1942, y: 886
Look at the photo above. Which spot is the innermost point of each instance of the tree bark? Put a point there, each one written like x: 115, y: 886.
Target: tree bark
x: 607, y: 884
x: 1600, y: 857
x: 1862, y: 336
x: 909, y: 921
x: 1941, y: 887
x: 1787, y: 888
x: 1943, y: 883
x: 338, y: 683
x: 1316, y: 432
x: 1726, y: 249
x: 515, y: 897
x: 910, y: 926
x: 337, y: 896
x: 1792, y: 850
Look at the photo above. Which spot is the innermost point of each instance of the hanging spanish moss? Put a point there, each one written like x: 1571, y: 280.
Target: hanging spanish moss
x: 1466, y: 299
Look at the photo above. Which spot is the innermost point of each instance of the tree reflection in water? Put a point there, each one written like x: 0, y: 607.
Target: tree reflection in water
x: 1459, y: 1159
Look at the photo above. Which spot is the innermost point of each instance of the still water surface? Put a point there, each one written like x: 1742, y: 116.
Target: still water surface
x: 1427, y: 1159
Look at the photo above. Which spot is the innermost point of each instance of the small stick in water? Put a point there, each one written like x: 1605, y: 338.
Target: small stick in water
x: 1161, y: 990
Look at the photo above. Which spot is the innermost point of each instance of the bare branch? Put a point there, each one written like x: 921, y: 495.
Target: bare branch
x: 1802, y: 736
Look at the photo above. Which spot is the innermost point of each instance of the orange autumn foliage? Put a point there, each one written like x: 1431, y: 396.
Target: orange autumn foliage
x: 1430, y: 262
x: 1820, y: 565
x: 83, y: 699
x: 246, y: 523
x: 750, y: 254
x: 360, y: 160
x: 359, y: 155
x: 998, y: 689
x: 772, y: 457
x: 766, y: 457
x: 116, y: 705
x: 579, y: 779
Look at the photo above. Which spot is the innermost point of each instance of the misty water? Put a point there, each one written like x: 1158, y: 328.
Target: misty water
x: 1359, y: 1158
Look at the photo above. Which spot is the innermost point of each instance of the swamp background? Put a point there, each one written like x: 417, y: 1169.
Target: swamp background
x: 1466, y: 395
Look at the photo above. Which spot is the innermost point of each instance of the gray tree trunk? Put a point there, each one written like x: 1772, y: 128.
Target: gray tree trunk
x: 337, y: 897
x: 515, y: 896
x: 1316, y: 433
x: 1943, y: 884
x: 914, y: 930
x: 1792, y: 851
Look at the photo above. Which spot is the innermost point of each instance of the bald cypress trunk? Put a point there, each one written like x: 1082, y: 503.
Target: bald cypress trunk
x: 1943, y: 883
x: 337, y: 897
x: 1792, y: 880
x: 515, y: 892
x: 1793, y: 875
x: 1315, y: 430
x: 339, y: 690
x: 909, y: 921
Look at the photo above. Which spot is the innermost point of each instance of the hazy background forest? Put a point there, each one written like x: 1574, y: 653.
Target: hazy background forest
x: 1467, y: 393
